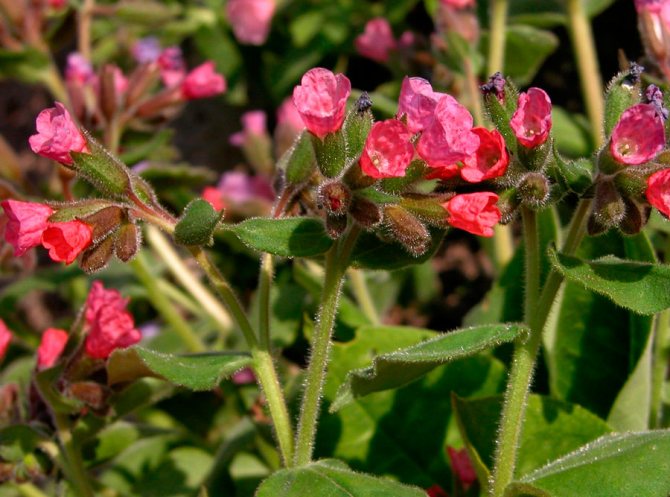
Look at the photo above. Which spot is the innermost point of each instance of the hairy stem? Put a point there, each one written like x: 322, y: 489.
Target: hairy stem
x: 337, y: 260
x: 264, y: 285
x: 587, y: 64
x: 661, y: 355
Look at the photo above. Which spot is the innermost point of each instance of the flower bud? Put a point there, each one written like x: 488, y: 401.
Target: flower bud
x: 608, y: 210
x: 407, y: 229
x: 365, y: 212
x: 533, y: 190
x: 92, y: 394
x: 638, y: 136
x: 636, y: 217
x: 500, y: 98
x: 335, y: 197
x: 203, y: 82
x: 128, y: 241
x: 51, y: 347
x: 653, y: 25
x: 321, y: 100
x: 96, y: 257
x: 622, y: 93
x: 531, y: 122
x: 335, y: 225
x: 356, y: 128
x: 377, y: 41
x: 250, y: 19
x: 5, y: 339
x: 508, y: 203
x: 104, y: 221
x: 57, y: 135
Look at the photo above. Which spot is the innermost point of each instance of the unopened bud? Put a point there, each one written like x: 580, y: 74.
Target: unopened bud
x: 108, y: 90
x: 363, y: 103
x: 500, y: 99
x: 636, y: 217
x: 104, y: 221
x: 331, y: 153
x: 407, y: 229
x: 298, y: 162
x: 96, y: 257
x: 533, y: 190
x: 335, y: 197
x: 609, y: 208
x: 90, y: 393
x: 365, y: 212
x: 622, y: 93
x: 428, y: 208
x: 356, y: 128
x: 140, y: 81
x: 335, y: 225
x: 508, y: 203
x: 128, y: 241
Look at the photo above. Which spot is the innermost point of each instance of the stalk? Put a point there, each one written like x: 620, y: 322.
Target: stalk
x: 73, y: 466
x: 362, y: 294
x: 661, y: 355
x: 497, y: 40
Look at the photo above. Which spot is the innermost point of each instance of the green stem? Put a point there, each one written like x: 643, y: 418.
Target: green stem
x: 497, y: 36
x: 661, y: 356
x: 525, y: 354
x: 587, y: 64
x: 337, y: 260
x: 362, y: 294
x: 164, y: 306
x: 73, y: 465
x: 29, y: 490
x: 263, y: 363
x: 264, y: 284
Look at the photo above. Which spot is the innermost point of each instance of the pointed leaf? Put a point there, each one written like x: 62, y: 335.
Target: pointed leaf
x: 197, y: 371
x: 331, y: 478
x: 635, y: 464
x: 403, y: 366
x: 288, y: 237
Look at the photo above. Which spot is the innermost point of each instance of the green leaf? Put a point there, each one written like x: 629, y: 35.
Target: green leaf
x: 526, y: 49
x: 571, y: 133
x: 197, y: 224
x: 552, y: 428
x: 372, y: 253
x: 298, y: 162
x: 29, y: 65
x: 642, y: 287
x: 630, y: 464
x: 19, y: 440
x: 331, y: 478
x: 197, y: 371
x: 287, y: 237
x: 403, y: 366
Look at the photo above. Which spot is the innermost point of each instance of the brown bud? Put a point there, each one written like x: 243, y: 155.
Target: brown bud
x: 365, y: 212
x: 636, y: 217
x: 533, y: 190
x: 335, y: 225
x: 90, y: 393
x: 140, y: 80
x: 608, y: 210
x: 104, y: 221
x: 96, y: 257
x: 407, y: 229
x: 508, y: 203
x: 128, y: 241
x: 335, y: 197
x: 108, y: 96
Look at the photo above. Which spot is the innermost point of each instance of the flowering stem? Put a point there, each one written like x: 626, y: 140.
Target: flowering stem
x: 84, y: 28
x: 71, y: 457
x: 497, y: 35
x: 337, y: 260
x: 362, y: 294
x: 587, y: 64
x: 264, y: 284
x: 263, y: 363
x: 537, y: 308
x: 661, y: 356
x: 164, y: 306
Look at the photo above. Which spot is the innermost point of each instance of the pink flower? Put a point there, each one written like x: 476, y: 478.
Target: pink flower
x: 418, y: 102
x: 26, y: 223
x: 57, y: 135
x: 489, y: 161
x: 250, y: 19
x: 172, y: 66
x: 321, y: 100
x: 238, y: 187
x: 462, y: 467
x: 5, y: 338
x: 658, y: 191
x: 638, y: 136
x: 376, y: 41
x: 51, y: 347
x: 78, y: 70
x: 388, y: 150
x: 203, y: 82
x: 65, y: 241
x: 458, y: 4
x: 436, y: 491
x: 531, y: 122
x: 448, y: 138
x: 110, y: 326
x: 475, y: 213
x: 288, y: 115
x: 244, y: 376
x: 214, y: 197
x: 253, y: 124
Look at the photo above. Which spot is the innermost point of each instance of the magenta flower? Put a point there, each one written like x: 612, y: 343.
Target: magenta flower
x: 254, y: 123
x: 462, y: 467
x: 5, y: 338
x: 388, y: 151
x: 172, y: 66
x: 250, y: 19
x: 448, y: 138
x: 57, y: 135
x: 489, y: 161
x: 658, y: 191
x: 110, y: 326
x: 65, y: 241
x: 321, y: 100
x: 376, y: 41
x: 436, y: 491
x: 417, y: 102
x: 638, y: 136
x: 203, y: 82
x: 214, y: 197
x: 288, y: 115
x: 475, y: 213
x: 238, y: 187
x: 26, y: 221
x: 531, y: 122
x: 458, y: 4
x: 51, y: 347
x: 78, y: 70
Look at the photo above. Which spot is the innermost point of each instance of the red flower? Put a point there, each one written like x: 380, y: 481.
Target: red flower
x: 214, y: 196
x: 250, y: 19
x: 376, y: 41
x: 321, y: 100
x: 387, y: 151
x: 26, y: 223
x: 638, y: 136
x: 475, y: 213
x: 57, y: 135
x: 462, y: 467
x: 436, y: 491
x: 172, y: 66
x: 449, y: 137
x: 203, y: 82
x: 489, y: 161
x: 658, y: 191
x: 5, y: 338
x: 458, y: 4
x: 65, y: 241
x: 51, y: 347
x: 110, y: 325
x: 417, y: 101
x: 531, y: 122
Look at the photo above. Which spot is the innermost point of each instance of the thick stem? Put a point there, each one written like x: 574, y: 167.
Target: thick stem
x: 362, y: 294
x: 164, y: 306
x: 337, y: 260
x: 497, y: 36
x: 523, y: 360
x: 661, y: 356
x: 73, y: 465
x: 263, y: 364
x: 264, y: 284
x: 587, y: 64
